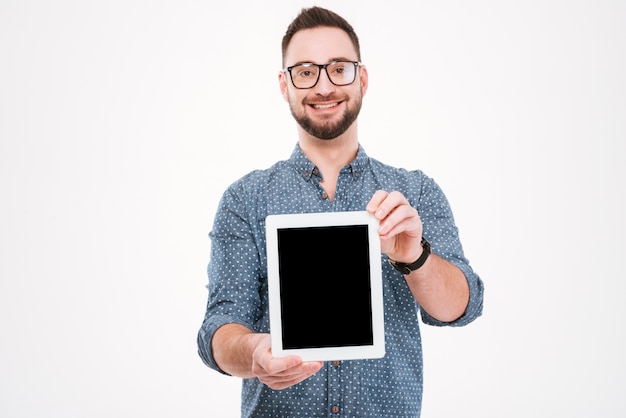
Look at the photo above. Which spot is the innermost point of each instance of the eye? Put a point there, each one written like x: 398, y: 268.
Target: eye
x: 304, y: 71
x: 338, y: 68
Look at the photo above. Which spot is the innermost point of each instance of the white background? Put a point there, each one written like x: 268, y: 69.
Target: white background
x: 122, y: 122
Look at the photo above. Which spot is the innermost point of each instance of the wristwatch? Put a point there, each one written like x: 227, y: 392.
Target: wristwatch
x: 405, y: 268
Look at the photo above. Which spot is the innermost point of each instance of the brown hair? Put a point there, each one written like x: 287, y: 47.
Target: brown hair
x: 314, y: 17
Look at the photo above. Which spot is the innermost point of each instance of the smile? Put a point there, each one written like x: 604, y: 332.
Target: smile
x: 324, y: 106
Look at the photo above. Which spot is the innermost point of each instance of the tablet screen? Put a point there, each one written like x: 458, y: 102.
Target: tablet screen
x: 325, y: 289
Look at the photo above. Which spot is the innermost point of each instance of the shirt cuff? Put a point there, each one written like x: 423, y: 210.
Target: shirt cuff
x: 205, y: 338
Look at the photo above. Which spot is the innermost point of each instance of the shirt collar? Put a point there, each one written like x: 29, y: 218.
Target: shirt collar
x: 307, y: 169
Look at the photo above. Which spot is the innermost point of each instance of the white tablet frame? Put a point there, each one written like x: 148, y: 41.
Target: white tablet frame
x: 273, y: 224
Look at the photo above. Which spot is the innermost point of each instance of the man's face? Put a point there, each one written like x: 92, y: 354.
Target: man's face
x: 324, y: 111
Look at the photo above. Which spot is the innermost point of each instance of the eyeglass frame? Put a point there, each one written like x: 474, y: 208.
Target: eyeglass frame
x: 356, y: 64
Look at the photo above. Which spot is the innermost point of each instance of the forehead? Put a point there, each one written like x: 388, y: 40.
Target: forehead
x: 320, y: 45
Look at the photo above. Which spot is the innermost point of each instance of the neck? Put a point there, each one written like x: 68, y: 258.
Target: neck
x: 330, y: 155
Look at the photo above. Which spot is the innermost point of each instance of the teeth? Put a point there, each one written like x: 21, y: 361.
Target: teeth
x: 328, y: 106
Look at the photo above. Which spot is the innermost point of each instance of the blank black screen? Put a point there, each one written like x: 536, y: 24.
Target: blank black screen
x: 325, y: 286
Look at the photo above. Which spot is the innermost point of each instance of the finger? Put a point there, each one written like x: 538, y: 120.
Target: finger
x: 388, y: 204
x: 298, y: 373
x: 267, y: 365
x: 304, y: 371
x: 290, y: 377
x: 376, y: 200
x: 403, y: 218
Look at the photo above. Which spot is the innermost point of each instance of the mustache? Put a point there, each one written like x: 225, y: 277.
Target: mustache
x: 329, y: 98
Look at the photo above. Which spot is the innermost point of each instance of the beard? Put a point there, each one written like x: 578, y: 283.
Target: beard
x: 327, y: 129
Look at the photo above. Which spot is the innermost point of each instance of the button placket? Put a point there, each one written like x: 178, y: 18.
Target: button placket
x: 335, y: 393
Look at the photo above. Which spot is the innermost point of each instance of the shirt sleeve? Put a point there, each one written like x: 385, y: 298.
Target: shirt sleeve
x: 442, y: 233
x: 234, y: 271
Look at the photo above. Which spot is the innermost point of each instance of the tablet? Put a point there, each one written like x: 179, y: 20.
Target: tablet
x: 325, y: 286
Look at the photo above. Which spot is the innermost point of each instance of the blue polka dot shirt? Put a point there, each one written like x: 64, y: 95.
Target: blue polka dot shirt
x: 386, y: 387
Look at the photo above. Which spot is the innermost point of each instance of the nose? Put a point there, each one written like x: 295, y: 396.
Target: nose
x: 324, y: 86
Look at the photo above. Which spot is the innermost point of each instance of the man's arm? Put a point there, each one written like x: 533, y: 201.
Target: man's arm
x: 440, y: 288
x: 438, y: 285
x: 243, y: 353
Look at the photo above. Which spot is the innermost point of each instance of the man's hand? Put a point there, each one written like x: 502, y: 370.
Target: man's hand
x: 439, y: 286
x: 241, y: 352
x: 400, y: 227
x: 280, y: 372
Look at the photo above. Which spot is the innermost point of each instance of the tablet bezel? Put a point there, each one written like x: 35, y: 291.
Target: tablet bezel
x: 273, y: 224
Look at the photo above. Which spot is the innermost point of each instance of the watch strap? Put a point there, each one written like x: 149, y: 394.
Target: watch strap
x: 407, y: 268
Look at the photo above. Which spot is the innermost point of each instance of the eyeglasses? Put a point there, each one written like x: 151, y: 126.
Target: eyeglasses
x: 306, y: 76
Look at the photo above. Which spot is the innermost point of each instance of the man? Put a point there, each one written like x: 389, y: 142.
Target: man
x: 324, y: 83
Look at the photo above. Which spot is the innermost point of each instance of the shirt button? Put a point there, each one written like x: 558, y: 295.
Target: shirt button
x: 335, y: 409
x: 356, y: 174
x: 336, y: 363
x: 315, y: 171
x: 324, y: 195
x: 307, y: 174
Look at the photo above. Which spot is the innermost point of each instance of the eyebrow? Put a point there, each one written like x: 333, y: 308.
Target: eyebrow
x: 331, y: 60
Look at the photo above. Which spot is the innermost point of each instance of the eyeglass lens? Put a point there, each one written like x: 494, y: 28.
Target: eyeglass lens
x: 340, y: 73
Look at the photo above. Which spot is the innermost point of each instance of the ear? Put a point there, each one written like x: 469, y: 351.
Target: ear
x: 282, y: 82
x: 364, y: 79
